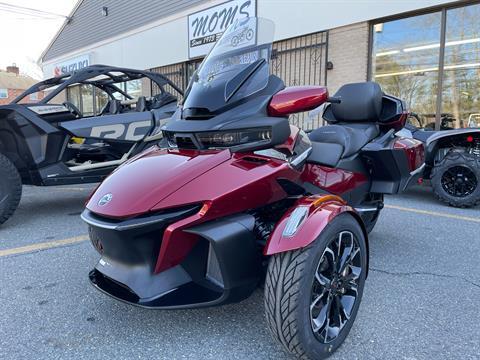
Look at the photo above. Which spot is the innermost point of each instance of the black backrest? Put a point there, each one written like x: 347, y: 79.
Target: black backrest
x: 141, y: 104
x: 115, y: 107
x: 360, y: 102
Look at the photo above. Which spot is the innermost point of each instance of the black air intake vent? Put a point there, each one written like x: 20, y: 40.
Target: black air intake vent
x: 181, y: 141
x: 184, y: 142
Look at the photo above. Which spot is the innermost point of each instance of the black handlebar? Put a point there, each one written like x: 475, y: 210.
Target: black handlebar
x: 334, y: 100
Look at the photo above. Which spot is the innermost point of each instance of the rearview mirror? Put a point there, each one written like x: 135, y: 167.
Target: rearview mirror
x: 295, y: 99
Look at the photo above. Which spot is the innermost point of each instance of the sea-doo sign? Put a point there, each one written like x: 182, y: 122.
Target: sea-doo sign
x: 206, y: 27
x: 71, y: 65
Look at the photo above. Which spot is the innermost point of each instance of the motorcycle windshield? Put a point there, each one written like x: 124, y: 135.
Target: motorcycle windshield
x: 236, y: 67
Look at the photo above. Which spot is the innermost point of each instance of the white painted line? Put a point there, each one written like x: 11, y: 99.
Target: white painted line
x: 433, y: 213
x: 43, y: 246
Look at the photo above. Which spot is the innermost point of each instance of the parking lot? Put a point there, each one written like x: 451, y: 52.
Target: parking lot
x: 421, y: 301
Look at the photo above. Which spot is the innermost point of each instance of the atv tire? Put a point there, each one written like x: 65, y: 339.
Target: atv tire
x: 10, y: 188
x: 293, y: 305
x: 456, y: 180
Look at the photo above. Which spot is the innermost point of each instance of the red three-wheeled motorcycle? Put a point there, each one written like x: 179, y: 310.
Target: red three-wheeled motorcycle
x: 234, y: 195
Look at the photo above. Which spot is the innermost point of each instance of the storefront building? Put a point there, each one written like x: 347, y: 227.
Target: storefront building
x: 426, y: 52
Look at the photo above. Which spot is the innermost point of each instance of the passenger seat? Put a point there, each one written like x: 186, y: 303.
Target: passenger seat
x: 352, y: 123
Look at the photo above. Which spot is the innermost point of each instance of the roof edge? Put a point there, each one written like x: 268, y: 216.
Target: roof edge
x: 123, y: 35
x: 59, y: 31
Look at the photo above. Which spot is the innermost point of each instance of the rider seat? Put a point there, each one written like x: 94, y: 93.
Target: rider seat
x: 352, y: 123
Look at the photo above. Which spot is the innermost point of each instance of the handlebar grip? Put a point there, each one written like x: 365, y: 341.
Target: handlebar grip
x: 334, y: 100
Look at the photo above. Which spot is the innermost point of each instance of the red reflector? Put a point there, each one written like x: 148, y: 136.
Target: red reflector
x: 470, y: 138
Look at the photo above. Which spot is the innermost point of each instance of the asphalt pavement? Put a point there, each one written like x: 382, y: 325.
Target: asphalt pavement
x: 421, y: 300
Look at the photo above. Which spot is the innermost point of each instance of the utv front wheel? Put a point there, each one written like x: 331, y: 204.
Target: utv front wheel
x: 312, y: 295
x: 10, y: 188
x: 456, y: 180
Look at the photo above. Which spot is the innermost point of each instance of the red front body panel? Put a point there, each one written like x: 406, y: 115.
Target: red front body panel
x: 227, y: 183
x: 155, y: 175
x: 235, y: 185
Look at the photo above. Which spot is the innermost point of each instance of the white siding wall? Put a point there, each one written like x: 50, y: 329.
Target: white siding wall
x: 166, y: 43
x: 298, y: 17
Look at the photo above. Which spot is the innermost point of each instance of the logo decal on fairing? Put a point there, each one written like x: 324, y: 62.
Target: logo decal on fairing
x: 121, y: 131
x: 105, y: 199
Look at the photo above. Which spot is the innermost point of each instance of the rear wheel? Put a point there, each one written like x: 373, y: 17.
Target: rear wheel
x: 456, y: 180
x: 312, y: 294
x: 10, y: 188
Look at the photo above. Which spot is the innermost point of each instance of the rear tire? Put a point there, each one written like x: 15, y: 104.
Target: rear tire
x: 297, y: 304
x: 456, y: 180
x: 10, y: 188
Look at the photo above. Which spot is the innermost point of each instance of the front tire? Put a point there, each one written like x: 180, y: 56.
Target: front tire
x: 312, y: 295
x: 456, y: 180
x: 10, y: 188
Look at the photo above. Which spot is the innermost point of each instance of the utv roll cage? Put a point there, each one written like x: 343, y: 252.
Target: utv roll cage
x: 103, y: 77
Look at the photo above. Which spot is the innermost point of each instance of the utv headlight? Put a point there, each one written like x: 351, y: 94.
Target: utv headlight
x: 221, y: 139
x: 296, y: 219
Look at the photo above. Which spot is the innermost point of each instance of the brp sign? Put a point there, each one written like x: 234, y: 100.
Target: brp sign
x: 206, y: 27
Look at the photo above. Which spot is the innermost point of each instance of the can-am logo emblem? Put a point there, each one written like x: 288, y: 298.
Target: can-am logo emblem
x: 105, y: 199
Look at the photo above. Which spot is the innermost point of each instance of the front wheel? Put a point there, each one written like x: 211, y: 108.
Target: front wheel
x: 312, y: 295
x: 10, y: 188
x: 456, y: 180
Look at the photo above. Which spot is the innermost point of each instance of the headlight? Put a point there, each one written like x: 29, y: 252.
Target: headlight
x: 219, y: 139
x: 222, y: 139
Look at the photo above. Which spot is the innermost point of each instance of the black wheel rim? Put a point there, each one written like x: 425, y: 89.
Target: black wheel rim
x: 335, y: 287
x: 459, y: 181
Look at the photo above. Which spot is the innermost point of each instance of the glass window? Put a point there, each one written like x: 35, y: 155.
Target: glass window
x: 406, y: 60
x: 3, y: 93
x: 86, y: 92
x: 461, y: 76
x: 88, y: 99
x: 74, y: 96
x: 60, y: 98
x: 134, y: 88
x: 101, y: 100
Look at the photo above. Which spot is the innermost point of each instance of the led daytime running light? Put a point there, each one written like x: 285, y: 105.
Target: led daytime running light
x: 296, y: 219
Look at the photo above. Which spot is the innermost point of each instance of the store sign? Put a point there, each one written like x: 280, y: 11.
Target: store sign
x: 71, y: 65
x: 206, y: 27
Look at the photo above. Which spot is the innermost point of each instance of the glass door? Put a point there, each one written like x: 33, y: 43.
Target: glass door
x: 461, y: 75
